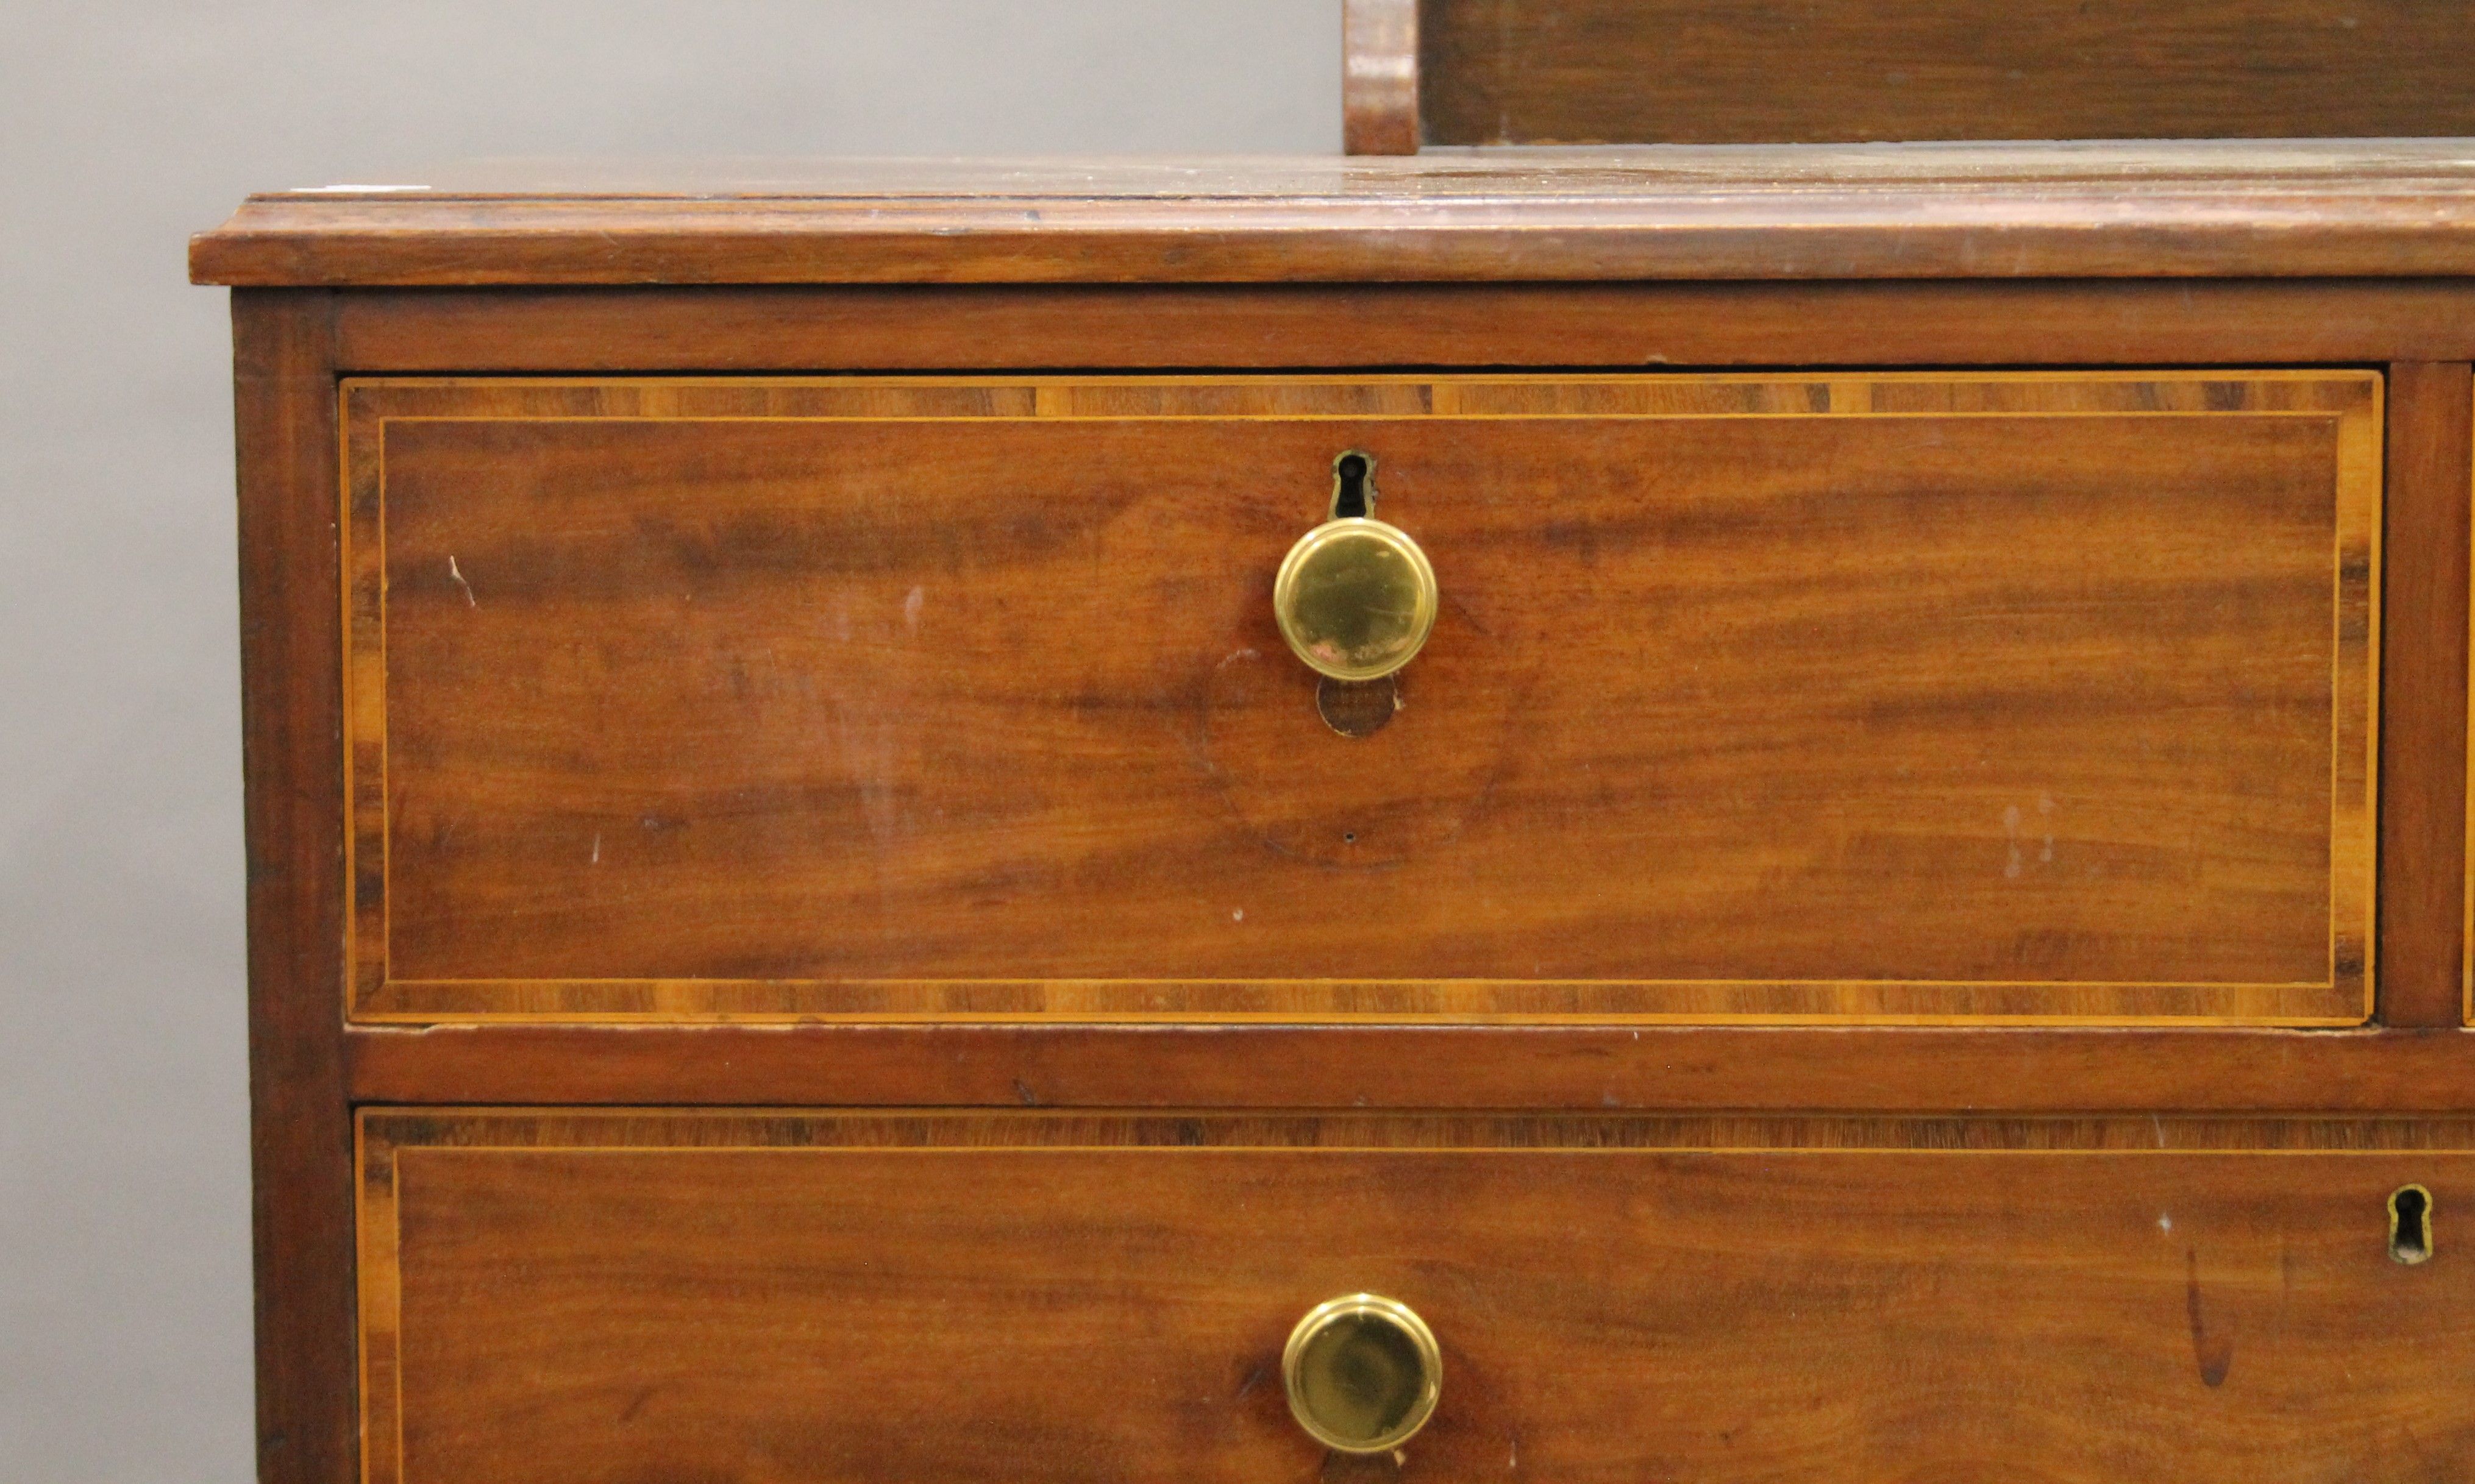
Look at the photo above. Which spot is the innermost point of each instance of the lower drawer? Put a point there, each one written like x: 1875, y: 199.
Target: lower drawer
x: 654, y: 1296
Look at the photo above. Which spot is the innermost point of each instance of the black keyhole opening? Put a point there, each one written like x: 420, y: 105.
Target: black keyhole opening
x: 2410, y: 1225
x: 1351, y: 498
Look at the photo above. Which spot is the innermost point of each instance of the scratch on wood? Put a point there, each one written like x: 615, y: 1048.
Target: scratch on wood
x: 2215, y: 1352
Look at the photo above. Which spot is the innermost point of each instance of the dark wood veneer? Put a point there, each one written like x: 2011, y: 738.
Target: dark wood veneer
x: 2423, y: 691
x: 1722, y: 71
x: 2268, y: 256
x: 2047, y: 1070
x: 1807, y: 698
x: 2377, y: 210
x: 550, y: 1295
x: 2124, y: 322
x: 1378, y: 59
x: 291, y: 752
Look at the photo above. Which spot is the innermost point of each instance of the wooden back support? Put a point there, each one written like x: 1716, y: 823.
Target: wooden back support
x: 1464, y: 72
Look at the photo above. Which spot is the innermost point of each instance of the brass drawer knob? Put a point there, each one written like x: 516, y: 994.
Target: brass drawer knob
x: 1363, y: 1374
x: 1356, y: 598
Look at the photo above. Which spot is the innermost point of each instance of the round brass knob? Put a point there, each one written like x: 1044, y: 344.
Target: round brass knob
x: 1355, y: 598
x: 1363, y: 1374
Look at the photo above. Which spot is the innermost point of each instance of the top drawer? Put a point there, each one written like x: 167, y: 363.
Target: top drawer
x: 2038, y: 696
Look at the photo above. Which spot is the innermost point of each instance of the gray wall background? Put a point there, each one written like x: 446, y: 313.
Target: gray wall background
x: 123, y: 126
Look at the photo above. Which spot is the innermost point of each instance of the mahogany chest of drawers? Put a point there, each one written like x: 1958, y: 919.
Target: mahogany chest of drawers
x: 839, y: 891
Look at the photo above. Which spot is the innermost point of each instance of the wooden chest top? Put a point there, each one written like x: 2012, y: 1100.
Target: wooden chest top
x: 2374, y: 208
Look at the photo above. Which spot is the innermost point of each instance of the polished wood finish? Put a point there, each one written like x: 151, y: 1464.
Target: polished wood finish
x: 1519, y: 1166
x: 2423, y: 716
x: 649, y: 1295
x: 1699, y: 1068
x: 1378, y: 77
x: 2104, y: 323
x: 1722, y: 72
x: 2381, y: 210
x: 301, y: 1144
x: 661, y: 708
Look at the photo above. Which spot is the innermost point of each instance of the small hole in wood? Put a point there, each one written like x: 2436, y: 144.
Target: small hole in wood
x: 1349, y: 837
x: 2410, y: 1225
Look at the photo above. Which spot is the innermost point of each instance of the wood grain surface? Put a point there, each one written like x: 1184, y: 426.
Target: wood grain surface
x: 2121, y: 323
x: 2175, y: 210
x: 2423, y: 683
x: 555, y: 1296
x: 2006, y: 1070
x: 300, y: 1157
x: 1378, y: 77
x: 1716, y: 72
x: 2027, y: 696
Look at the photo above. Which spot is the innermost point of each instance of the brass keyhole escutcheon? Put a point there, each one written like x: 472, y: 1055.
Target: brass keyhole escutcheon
x: 1355, y: 598
x: 2410, y: 1225
x: 1363, y: 1374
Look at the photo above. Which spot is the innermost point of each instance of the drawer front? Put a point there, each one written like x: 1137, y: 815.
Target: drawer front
x: 1893, y: 697
x: 645, y: 1296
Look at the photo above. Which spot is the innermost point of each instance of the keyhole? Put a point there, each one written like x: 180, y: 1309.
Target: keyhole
x: 1353, y: 486
x: 2410, y: 1225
